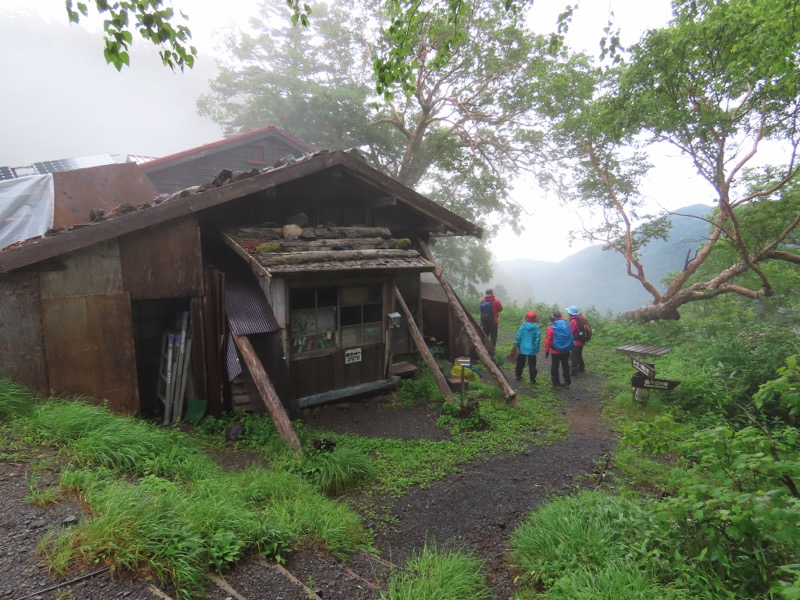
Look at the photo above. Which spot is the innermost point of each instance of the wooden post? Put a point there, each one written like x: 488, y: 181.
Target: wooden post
x: 267, y: 391
x: 480, y: 349
x: 423, y: 348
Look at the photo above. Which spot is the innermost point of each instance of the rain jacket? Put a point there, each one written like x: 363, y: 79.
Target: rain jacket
x: 529, y: 338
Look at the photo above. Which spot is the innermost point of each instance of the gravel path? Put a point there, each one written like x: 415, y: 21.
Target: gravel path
x: 475, y: 509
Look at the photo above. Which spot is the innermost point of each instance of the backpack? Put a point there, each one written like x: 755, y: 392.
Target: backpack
x: 562, y: 336
x: 584, y: 330
x: 487, y: 312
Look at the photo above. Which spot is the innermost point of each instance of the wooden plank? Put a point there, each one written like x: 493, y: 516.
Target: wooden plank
x: 644, y: 350
x: 22, y: 355
x: 470, y: 329
x: 163, y: 261
x: 430, y: 361
x: 267, y: 392
x: 89, y: 348
x: 94, y: 270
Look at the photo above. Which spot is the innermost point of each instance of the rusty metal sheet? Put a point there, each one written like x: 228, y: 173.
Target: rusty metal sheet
x: 80, y: 191
x: 89, y: 349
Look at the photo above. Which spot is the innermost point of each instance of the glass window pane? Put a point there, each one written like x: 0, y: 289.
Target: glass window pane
x: 303, y: 322
x: 326, y: 319
x: 302, y: 298
x: 351, y: 336
x: 326, y: 296
x: 351, y: 296
x: 350, y: 315
x: 372, y: 313
x: 374, y: 293
x: 372, y: 334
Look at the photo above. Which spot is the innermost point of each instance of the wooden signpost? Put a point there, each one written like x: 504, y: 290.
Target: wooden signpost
x: 644, y: 379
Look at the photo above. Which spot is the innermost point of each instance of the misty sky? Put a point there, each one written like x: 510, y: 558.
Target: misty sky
x: 60, y: 99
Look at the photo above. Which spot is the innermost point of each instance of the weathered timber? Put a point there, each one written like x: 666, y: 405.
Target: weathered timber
x: 275, y: 246
x: 299, y: 258
x: 423, y: 347
x: 461, y: 314
x: 311, y: 233
x: 256, y: 266
x: 267, y: 391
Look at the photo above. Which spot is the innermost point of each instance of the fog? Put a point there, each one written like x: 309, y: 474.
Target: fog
x: 60, y: 99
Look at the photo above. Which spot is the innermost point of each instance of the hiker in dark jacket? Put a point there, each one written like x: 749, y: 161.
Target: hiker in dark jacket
x: 528, y: 343
x: 490, y: 308
x: 558, y: 342
x: 577, y: 325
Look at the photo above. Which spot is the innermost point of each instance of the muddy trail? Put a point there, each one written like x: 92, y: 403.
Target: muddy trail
x: 475, y: 509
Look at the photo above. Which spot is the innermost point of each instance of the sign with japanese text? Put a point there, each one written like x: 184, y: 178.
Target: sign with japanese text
x: 353, y: 355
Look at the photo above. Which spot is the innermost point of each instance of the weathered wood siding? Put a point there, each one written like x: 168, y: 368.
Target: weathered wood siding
x: 90, y: 348
x: 319, y: 374
x: 93, y: 270
x: 163, y: 261
x: 22, y: 357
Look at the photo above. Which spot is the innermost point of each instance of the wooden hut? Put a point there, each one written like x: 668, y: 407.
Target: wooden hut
x: 293, y: 275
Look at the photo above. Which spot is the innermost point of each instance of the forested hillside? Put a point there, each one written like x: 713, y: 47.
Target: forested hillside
x: 594, y: 277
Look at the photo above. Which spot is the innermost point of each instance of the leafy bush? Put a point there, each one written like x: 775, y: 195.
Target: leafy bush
x: 420, y: 389
x: 457, y: 419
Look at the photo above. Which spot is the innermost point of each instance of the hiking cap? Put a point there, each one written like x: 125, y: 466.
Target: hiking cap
x: 489, y: 291
x: 573, y: 310
x: 555, y: 315
x: 532, y: 317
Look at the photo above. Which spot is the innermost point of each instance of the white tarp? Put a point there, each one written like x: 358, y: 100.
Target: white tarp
x: 27, y: 206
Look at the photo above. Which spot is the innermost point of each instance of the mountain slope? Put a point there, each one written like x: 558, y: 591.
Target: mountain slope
x: 597, y: 277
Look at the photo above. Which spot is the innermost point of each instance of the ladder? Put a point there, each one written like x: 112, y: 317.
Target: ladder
x: 173, y: 370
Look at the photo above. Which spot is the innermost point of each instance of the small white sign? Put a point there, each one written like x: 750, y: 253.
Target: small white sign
x: 352, y: 356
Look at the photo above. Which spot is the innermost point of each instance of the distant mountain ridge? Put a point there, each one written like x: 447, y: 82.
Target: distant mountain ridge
x: 594, y: 277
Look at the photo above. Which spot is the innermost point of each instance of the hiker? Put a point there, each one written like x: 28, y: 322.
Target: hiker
x: 490, y: 308
x: 579, y: 328
x: 558, y: 342
x: 528, y: 340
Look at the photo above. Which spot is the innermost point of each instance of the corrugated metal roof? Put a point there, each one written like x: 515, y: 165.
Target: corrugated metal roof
x: 247, y: 308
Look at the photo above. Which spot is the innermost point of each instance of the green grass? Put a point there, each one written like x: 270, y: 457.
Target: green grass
x: 439, y: 574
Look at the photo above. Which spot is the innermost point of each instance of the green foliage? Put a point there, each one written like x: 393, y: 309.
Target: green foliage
x: 587, y: 531
x: 153, y: 21
x: 420, y: 389
x: 439, y: 573
x: 458, y: 419
x: 15, y: 400
x: 337, y: 472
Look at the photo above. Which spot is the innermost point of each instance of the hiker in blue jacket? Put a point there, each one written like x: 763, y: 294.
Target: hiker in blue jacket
x: 558, y: 342
x: 528, y: 342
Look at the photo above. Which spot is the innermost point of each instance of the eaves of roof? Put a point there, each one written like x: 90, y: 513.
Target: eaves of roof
x: 180, y: 205
x: 213, y: 147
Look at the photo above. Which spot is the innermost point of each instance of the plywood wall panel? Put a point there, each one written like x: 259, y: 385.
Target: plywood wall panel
x: 92, y: 270
x: 22, y: 357
x: 90, y: 349
x: 163, y: 261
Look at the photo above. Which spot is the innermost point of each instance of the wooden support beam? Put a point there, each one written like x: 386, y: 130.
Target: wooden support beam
x: 267, y: 391
x: 423, y: 347
x: 472, y: 333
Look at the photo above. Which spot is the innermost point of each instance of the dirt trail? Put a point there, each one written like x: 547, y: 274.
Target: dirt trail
x: 476, y: 509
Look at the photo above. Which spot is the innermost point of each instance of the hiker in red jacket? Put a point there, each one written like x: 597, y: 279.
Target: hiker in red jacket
x: 490, y: 308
